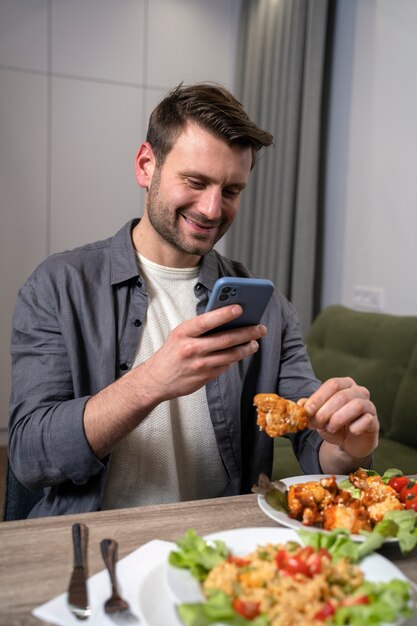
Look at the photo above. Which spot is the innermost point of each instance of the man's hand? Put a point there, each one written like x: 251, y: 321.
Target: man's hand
x: 343, y: 414
x: 189, y: 358
x: 186, y: 361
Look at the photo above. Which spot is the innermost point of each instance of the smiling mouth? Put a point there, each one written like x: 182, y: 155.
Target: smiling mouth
x: 198, y: 226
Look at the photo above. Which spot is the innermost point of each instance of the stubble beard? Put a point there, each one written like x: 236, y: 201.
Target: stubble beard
x: 165, y: 222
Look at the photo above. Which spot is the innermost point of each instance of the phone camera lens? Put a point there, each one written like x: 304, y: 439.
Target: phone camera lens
x: 226, y: 289
x: 223, y: 296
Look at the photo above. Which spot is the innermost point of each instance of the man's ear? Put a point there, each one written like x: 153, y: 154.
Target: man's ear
x: 145, y: 165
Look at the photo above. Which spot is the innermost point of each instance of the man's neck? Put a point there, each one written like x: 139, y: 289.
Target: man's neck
x: 151, y: 245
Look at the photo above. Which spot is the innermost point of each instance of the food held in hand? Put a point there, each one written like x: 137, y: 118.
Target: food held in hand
x: 278, y: 416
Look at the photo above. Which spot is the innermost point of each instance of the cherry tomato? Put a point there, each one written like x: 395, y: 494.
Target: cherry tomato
x: 409, y: 491
x: 314, y: 564
x: 305, y: 552
x: 295, y: 565
x: 327, y: 611
x: 325, y: 553
x: 411, y: 502
x: 246, y: 608
x: 289, y: 564
x: 281, y: 558
x: 398, y: 482
x: 306, y: 562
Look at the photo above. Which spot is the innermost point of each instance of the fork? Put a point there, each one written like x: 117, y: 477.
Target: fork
x: 116, y: 606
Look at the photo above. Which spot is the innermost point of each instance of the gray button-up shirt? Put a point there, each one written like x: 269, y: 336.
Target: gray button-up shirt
x: 76, y: 327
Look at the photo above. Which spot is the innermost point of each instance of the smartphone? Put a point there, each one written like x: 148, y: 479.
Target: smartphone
x: 252, y: 294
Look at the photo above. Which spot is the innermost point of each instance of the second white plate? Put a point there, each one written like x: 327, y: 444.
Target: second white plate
x: 283, y: 518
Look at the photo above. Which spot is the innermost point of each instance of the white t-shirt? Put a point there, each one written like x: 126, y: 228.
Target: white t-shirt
x: 172, y: 455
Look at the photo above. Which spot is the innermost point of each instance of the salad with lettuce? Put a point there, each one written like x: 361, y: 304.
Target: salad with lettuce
x: 368, y: 604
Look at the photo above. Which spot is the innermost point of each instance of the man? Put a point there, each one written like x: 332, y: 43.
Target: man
x: 119, y: 397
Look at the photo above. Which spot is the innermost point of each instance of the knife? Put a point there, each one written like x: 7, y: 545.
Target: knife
x: 77, y: 590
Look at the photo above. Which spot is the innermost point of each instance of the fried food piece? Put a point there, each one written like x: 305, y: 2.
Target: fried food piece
x: 377, y: 496
x: 353, y: 517
x: 323, y: 502
x: 277, y: 416
x: 377, y: 510
x: 306, y: 501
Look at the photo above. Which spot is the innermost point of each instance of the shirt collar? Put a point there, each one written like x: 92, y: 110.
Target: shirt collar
x: 123, y: 259
x: 124, y: 264
x: 209, y: 270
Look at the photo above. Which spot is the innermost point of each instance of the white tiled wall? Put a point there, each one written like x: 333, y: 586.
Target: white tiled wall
x: 100, y: 39
x: 24, y: 34
x: 96, y: 130
x: 78, y: 79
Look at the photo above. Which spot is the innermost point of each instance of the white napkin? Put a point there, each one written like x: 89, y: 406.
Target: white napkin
x: 131, y: 572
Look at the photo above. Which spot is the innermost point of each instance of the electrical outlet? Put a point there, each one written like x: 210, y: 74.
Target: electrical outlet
x: 369, y: 298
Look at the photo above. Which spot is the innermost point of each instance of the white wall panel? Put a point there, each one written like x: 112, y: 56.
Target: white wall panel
x: 96, y: 131
x: 23, y: 34
x: 100, y: 39
x: 371, y: 189
x: 191, y: 41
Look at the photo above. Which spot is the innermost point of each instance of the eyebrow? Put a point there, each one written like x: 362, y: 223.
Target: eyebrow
x: 196, y: 174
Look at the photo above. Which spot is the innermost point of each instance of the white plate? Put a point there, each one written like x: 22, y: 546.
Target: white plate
x: 283, y: 518
x: 182, y: 587
x: 156, y: 608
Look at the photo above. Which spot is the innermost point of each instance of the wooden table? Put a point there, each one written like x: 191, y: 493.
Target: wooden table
x: 36, y: 555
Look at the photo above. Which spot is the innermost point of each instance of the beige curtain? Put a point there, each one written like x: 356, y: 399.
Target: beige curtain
x: 281, y: 81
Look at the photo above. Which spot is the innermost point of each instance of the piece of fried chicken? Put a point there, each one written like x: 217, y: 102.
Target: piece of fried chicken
x: 378, y: 497
x: 306, y: 501
x: 353, y: 517
x: 322, y: 502
x: 278, y: 416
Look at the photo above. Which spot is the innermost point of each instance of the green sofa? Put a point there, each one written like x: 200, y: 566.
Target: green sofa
x: 379, y: 351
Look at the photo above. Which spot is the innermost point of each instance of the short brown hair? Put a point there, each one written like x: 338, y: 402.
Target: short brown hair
x: 212, y: 107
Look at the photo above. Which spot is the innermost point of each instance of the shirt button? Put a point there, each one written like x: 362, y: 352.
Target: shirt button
x: 138, y: 282
x: 124, y: 366
x: 137, y: 323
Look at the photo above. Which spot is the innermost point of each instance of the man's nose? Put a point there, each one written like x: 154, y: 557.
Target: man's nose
x: 211, y: 203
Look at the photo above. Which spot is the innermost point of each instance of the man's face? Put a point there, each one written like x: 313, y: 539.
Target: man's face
x: 194, y: 196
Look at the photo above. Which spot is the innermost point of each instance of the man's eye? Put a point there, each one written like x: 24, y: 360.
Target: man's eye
x: 231, y: 193
x: 195, y: 184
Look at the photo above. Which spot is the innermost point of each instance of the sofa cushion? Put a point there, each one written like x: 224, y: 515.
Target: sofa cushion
x: 404, y: 417
x: 388, y: 454
x: 375, y: 350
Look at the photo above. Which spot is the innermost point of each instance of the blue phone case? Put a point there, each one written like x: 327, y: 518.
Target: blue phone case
x: 252, y: 294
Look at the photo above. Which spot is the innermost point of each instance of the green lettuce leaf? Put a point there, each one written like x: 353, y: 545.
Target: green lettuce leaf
x: 390, y: 473
x: 197, y: 555
x: 217, y: 610
x: 388, y: 602
x: 275, y: 493
x: 337, y: 542
x: 400, y: 524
